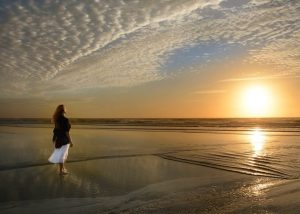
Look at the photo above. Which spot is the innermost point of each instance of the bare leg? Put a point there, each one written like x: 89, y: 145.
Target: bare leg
x: 61, y: 168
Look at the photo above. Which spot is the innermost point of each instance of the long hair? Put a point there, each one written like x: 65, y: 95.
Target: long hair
x: 59, y: 111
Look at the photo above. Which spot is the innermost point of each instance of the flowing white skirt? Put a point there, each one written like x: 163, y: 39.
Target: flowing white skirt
x: 60, y: 155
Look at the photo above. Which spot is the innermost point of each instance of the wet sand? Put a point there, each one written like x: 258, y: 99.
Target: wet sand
x: 144, y: 171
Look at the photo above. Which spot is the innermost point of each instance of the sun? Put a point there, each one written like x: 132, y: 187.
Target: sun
x: 257, y: 101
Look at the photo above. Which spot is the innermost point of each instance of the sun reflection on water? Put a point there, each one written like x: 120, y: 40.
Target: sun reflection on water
x: 257, y: 139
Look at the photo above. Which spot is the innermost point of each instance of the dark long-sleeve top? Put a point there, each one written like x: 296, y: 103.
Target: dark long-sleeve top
x: 62, y: 127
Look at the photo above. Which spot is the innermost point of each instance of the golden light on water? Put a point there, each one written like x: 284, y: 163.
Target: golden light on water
x: 257, y: 139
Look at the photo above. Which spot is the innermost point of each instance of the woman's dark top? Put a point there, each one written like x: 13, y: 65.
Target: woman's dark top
x: 62, y: 126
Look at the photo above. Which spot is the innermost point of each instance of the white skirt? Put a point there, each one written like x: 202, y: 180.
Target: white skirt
x: 60, y: 155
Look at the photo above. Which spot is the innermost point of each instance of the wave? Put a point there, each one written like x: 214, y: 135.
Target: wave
x: 244, y: 163
x: 37, y: 164
x: 216, y: 123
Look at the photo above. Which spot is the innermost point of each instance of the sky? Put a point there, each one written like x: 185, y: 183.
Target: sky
x: 139, y: 58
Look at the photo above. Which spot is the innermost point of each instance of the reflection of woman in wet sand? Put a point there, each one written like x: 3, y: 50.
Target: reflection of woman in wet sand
x: 61, y: 139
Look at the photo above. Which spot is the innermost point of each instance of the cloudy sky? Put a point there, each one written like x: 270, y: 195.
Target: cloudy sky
x: 140, y: 58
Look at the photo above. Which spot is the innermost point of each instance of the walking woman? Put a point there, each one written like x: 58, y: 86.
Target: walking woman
x: 61, y: 139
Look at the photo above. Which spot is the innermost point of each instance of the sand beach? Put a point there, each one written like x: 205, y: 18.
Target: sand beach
x: 146, y: 170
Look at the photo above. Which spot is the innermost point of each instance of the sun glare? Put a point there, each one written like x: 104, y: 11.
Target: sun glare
x: 257, y: 101
x: 257, y: 139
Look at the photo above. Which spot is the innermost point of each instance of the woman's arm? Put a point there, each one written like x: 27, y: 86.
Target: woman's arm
x: 69, y: 138
x: 66, y: 127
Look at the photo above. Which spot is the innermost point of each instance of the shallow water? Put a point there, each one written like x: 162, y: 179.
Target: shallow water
x: 259, y: 153
x: 115, y: 162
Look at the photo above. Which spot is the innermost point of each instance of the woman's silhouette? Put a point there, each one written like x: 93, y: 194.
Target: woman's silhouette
x: 61, y: 139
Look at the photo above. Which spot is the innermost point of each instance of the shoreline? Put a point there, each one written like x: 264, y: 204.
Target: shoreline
x: 188, y: 195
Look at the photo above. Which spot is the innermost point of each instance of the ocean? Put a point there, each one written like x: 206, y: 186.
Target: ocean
x: 219, y: 124
x: 151, y: 160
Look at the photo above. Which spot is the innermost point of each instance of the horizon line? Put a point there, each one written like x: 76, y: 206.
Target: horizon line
x: 26, y: 118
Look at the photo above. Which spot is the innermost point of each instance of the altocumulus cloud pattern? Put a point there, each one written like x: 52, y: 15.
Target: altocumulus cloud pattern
x: 56, y: 44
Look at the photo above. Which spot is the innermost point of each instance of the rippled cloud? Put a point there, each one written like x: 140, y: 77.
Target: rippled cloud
x: 67, y: 45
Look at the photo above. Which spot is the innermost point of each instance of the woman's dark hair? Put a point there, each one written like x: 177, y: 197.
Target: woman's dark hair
x: 60, y: 110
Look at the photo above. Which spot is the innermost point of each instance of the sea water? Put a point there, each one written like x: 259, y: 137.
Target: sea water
x: 116, y: 156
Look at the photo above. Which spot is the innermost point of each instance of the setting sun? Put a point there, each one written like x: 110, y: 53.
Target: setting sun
x: 257, y: 101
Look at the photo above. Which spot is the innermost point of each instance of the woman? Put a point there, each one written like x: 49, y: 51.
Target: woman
x: 61, y: 139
